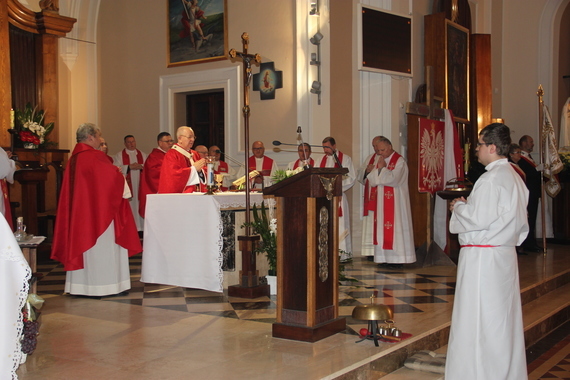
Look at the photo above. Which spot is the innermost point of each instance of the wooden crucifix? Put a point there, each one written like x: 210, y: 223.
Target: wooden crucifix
x: 249, y: 286
x: 247, y: 75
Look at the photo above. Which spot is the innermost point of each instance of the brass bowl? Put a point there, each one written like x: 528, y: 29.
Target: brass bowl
x: 372, y: 312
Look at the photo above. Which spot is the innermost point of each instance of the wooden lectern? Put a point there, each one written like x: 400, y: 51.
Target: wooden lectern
x: 307, y: 254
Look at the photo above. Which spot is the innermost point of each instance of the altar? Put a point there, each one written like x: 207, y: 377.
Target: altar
x: 183, y: 239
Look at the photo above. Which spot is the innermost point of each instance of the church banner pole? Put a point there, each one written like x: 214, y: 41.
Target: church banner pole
x: 249, y: 286
x: 540, y: 94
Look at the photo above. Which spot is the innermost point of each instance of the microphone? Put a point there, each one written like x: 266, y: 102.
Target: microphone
x: 230, y: 158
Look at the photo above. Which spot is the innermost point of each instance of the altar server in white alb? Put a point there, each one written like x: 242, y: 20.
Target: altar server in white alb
x: 335, y: 159
x: 14, y: 276
x: 131, y: 161
x: 393, y: 236
x: 486, y: 340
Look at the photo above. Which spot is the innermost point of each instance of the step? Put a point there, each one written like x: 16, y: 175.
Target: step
x: 546, y: 306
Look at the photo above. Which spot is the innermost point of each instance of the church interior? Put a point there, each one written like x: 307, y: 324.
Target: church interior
x: 126, y: 67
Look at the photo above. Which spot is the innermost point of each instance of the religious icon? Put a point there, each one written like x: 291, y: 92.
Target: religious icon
x: 197, y: 31
x: 267, y: 81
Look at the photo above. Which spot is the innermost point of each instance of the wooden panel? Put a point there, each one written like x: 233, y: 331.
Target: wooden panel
x: 47, y: 25
x: 482, y: 89
x: 5, y: 83
x: 434, y: 50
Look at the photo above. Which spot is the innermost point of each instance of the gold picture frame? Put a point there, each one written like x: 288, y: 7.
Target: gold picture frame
x: 197, y: 31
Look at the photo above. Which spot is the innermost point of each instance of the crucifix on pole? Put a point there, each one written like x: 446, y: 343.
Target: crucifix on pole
x: 247, y: 75
x: 249, y: 286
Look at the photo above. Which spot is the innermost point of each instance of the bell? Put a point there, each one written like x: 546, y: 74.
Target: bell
x: 372, y: 312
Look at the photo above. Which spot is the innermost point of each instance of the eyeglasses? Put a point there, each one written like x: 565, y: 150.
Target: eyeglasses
x: 188, y: 137
x: 482, y: 143
x: 167, y: 141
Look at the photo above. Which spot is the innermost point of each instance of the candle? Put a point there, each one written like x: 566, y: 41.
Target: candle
x: 11, y: 118
x: 210, y: 174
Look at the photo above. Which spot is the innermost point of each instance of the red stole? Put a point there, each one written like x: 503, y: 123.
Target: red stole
x: 7, y: 209
x: 265, y: 167
x: 298, y: 163
x: 127, y: 161
x: 370, y: 194
x: 389, y: 210
x: 324, y: 165
x: 175, y: 172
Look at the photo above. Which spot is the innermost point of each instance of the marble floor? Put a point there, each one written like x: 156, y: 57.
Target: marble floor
x: 165, y: 332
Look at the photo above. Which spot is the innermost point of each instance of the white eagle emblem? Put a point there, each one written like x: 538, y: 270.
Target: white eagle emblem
x: 431, y: 158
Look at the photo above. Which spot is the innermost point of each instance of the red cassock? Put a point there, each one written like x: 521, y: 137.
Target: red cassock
x: 175, y: 173
x: 150, y: 176
x: 91, y: 198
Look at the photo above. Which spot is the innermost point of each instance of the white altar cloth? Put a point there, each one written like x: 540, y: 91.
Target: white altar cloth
x: 183, y: 238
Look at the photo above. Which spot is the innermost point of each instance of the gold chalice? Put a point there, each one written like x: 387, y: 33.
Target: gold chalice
x: 219, y: 178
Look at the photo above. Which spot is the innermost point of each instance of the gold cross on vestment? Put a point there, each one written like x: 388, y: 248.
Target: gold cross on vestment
x: 388, y: 195
x: 388, y: 225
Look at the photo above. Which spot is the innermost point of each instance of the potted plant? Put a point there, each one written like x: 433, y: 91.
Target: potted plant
x: 267, y: 230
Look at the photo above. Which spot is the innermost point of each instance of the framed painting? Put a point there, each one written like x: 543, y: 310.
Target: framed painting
x: 457, y: 70
x: 197, y: 31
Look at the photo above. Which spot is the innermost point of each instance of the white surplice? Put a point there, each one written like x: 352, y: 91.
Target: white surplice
x: 135, y: 182
x: 487, y: 339
x: 344, y: 238
x: 14, y: 276
x: 367, y: 248
x: 403, y: 251
x: 106, y: 269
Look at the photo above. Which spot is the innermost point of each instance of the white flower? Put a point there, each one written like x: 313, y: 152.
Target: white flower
x: 273, y: 226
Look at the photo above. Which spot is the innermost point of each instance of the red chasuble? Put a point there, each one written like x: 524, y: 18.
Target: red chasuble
x: 175, y: 172
x: 150, y: 177
x: 91, y: 198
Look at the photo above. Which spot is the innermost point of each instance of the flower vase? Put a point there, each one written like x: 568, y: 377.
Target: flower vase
x: 272, y: 282
x: 28, y: 145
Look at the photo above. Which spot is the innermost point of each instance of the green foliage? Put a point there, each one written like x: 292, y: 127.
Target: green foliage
x: 262, y: 226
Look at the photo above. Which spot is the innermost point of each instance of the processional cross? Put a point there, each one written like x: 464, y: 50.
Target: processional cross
x: 247, y: 75
x: 249, y: 286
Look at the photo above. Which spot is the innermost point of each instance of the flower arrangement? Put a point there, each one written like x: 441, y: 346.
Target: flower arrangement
x: 31, y: 131
x: 280, y: 175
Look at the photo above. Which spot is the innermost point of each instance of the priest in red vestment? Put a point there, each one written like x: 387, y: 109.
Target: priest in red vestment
x: 181, y: 170
x: 393, y: 230
x: 222, y: 167
x: 263, y: 164
x: 131, y: 161
x: 151, y: 169
x: 94, y: 231
x: 334, y: 158
x: 305, y: 159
